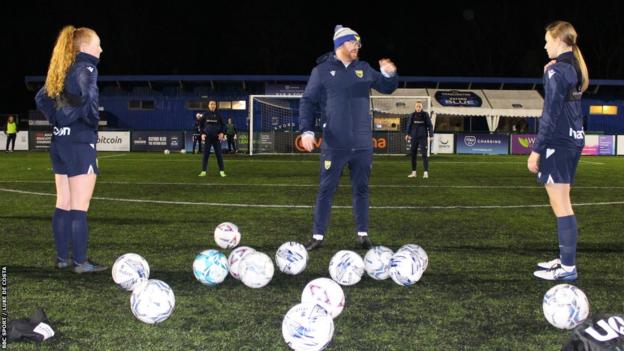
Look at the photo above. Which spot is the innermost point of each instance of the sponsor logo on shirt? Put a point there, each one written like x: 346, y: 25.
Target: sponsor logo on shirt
x: 577, y: 134
x: 64, y: 131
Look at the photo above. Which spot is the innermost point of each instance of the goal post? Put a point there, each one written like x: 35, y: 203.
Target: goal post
x: 274, y: 123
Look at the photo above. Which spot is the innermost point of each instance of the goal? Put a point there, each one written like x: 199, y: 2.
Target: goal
x: 274, y: 123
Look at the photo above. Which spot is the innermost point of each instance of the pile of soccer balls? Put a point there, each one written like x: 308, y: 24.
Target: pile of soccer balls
x: 405, y: 267
x: 309, y: 325
x: 152, y: 301
x: 253, y: 268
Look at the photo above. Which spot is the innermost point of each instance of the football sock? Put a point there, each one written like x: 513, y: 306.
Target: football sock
x: 80, y: 235
x: 62, y: 232
x: 568, y: 232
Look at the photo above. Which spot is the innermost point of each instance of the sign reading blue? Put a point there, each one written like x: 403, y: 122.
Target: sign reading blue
x: 458, y: 98
x: 490, y: 144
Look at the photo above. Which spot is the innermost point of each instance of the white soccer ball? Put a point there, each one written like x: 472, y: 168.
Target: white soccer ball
x: 129, y: 270
x: 166, y: 151
x: 182, y: 151
x: 256, y: 270
x: 405, y: 268
x: 152, y: 301
x: 235, y: 258
x: 565, y: 306
x: 326, y: 293
x: 377, y: 262
x: 346, y: 267
x: 291, y: 258
x: 307, y: 327
x: 210, y: 267
x: 418, y: 251
x: 226, y: 235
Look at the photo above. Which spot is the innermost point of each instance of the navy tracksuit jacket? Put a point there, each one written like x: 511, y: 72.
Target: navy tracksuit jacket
x: 77, y: 107
x: 561, y: 124
x: 341, y: 96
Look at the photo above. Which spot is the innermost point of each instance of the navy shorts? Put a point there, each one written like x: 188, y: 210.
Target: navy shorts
x: 558, y: 165
x: 73, y: 159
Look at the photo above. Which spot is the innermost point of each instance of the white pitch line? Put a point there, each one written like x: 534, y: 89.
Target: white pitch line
x: 218, y: 204
x: 247, y: 160
x: 286, y: 185
x: 109, y: 156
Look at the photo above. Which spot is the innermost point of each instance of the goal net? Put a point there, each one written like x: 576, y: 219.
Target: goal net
x: 274, y: 123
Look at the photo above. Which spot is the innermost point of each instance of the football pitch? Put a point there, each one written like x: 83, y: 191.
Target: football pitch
x: 483, y: 221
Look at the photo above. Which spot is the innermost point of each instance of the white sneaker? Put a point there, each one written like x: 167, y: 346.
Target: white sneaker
x: 426, y: 175
x: 549, y: 264
x: 557, y: 273
x: 412, y: 175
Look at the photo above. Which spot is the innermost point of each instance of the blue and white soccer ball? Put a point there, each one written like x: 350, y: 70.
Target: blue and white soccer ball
x: 417, y: 250
x: 210, y: 267
x: 346, y: 267
x: 226, y: 235
x: 235, y: 258
x: 325, y: 293
x: 291, y: 258
x: 307, y: 327
x: 256, y: 270
x: 152, y: 301
x: 565, y: 306
x: 129, y: 270
x: 377, y: 262
x: 405, y: 269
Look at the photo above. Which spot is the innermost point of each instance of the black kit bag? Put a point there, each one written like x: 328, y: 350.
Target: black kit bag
x: 36, y: 328
x: 598, y: 333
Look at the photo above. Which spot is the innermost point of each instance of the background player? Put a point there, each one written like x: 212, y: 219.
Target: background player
x: 420, y: 132
x: 212, y: 136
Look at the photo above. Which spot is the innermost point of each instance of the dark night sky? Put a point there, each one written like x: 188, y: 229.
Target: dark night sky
x: 447, y: 38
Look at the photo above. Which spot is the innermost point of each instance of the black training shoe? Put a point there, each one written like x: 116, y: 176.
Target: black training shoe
x: 365, y: 241
x: 313, y: 244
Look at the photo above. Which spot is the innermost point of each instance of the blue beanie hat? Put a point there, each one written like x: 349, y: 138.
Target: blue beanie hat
x: 344, y: 34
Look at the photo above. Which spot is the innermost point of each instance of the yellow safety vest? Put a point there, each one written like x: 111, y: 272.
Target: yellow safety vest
x: 11, y: 128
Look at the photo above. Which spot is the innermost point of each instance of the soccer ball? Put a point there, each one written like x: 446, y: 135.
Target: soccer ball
x: 325, y: 293
x: 226, y: 235
x: 565, y: 306
x: 405, y: 268
x: 256, y: 270
x: 235, y: 258
x: 129, y: 270
x: 182, y: 151
x: 152, y: 301
x: 210, y: 267
x: 307, y: 327
x: 291, y: 258
x: 417, y: 251
x: 346, y: 267
x: 166, y: 151
x: 377, y: 262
